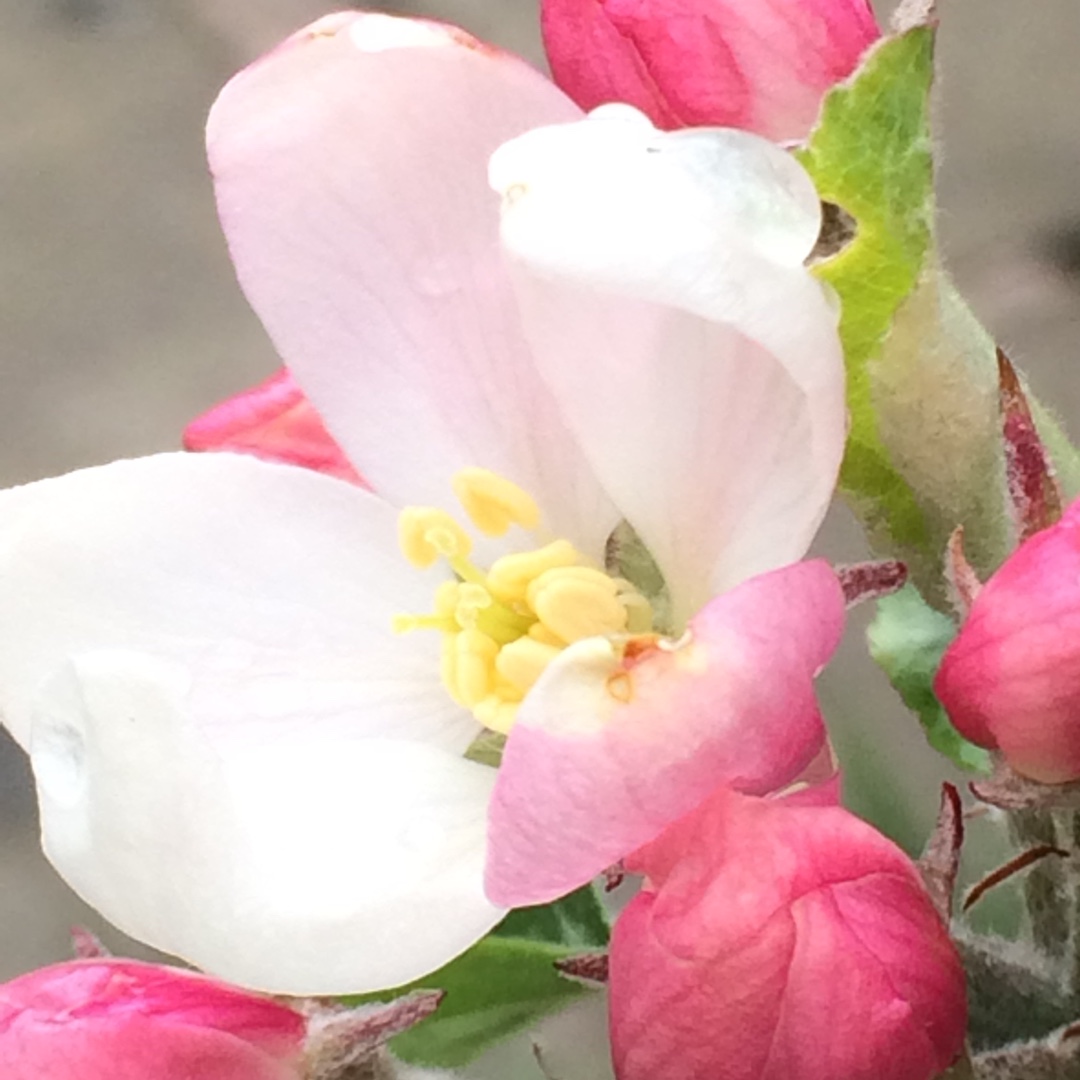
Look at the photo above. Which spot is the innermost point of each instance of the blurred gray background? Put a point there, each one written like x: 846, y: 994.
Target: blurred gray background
x: 120, y: 319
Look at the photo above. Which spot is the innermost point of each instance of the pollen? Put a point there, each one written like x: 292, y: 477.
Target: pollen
x: 503, y: 627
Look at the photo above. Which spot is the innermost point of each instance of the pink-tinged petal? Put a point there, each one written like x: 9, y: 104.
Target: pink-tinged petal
x: 121, y: 1020
x: 610, y: 747
x: 778, y: 942
x: 275, y: 422
x: 819, y: 784
x: 760, y: 65
x: 351, y: 174
x: 661, y: 281
x: 1011, y: 679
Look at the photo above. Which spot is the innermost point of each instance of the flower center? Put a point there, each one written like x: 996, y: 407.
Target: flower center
x: 501, y: 628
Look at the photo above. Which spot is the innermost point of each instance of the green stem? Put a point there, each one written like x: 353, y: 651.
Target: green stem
x: 1048, y: 902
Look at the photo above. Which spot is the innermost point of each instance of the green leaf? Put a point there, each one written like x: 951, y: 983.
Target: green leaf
x: 497, y: 988
x: 925, y: 452
x: 487, y: 748
x: 871, y: 154
x: 503, y: 983
x: 907, y: 639
x: 577, y: 920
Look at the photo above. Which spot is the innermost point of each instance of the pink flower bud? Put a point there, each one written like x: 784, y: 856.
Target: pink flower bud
x: 1011, y: 679
x: 121, y: 1020
x: 777, y: 941
x: 761, y: 65
x: 273, y: 421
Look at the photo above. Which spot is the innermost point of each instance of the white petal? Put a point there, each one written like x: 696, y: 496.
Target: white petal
x: 667, y: 216
x: 304, y: 864
x: 720, y: 460
x: 699, y: 364
x: 350, y: 168
x: 274, y: 586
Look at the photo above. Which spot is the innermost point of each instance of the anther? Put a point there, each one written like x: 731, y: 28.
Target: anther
x: 539, y: 632
x: 496, y: 713
x: 425, y: 534
x: 494, y: 503
x: 639, y: 612
x: 577, y: 603
x: 509, y: 577
x: 523, y: 661
x: 469, y: 666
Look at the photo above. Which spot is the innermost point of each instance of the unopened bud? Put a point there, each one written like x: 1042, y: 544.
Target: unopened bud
x: 1010, y: 681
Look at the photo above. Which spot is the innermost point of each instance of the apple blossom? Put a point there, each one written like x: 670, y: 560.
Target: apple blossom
x: 760, y: 65
x: 122, y: 1020
x: 237, y: 758
x: 775, y: 941
x: 1010, y: 680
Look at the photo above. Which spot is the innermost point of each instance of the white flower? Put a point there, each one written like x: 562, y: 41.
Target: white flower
x: 237, y: 760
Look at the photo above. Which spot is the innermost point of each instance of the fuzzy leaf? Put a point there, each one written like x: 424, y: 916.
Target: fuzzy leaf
x: 497, y: 988
x: 925, y: 452
x: 577, y: 920
x: 907, y: 639
x: 871, y: 155
x: 503, y: 983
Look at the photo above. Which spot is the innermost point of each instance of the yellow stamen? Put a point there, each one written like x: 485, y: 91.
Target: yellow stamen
x: 426, y: 534
x: 522, y: 662
x: 509, y: 577
x: 577, y: 603
x: 539, y: 632
x: 472, y: 599
x: 587, y: 575
x: 447, y: 596
x: 496, y: 714
x: 493, y: 503
x: 502, y: 628
x: 639, y: 612
x: 468, y: 666
x: 502, y: 624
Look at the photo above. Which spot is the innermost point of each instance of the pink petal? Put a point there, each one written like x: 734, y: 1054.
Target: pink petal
x: 761, y: 65
x: 275, y: 422
x: 607, y: 751
x: 121, y: 1020
x: 819, y: 784
x: 775, y: 942
x: 1011, y: 679
x: 351, y: 174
